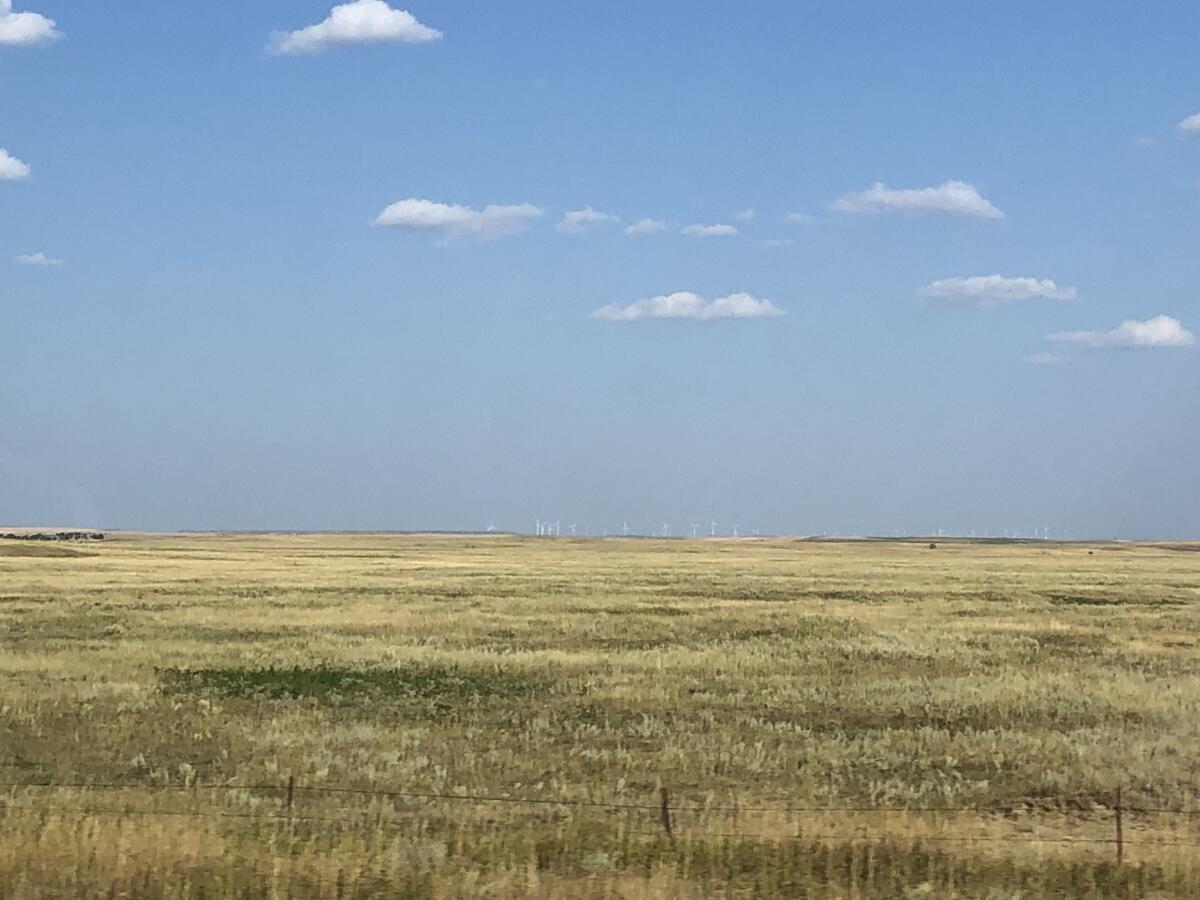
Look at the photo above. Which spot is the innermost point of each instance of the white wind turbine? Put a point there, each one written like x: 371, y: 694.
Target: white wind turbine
x: 695, y: 527
x: 735, y: 529
x: 713, y: 524
x: 572, y: 527
x: 624, y: 529
x: 666, y: 530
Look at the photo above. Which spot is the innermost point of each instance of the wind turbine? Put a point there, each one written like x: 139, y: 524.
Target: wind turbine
x: 572, y: 527
x: 491, y: 527
x: 695, y: 526
x: 624, y: 529
x: 539, y: 527
x: 714, y: 527
x: 735, y: 529
x: 666, y: 530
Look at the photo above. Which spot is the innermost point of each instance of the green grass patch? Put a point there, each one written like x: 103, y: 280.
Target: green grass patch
x: 1095, y: 600
x: 442, y: 685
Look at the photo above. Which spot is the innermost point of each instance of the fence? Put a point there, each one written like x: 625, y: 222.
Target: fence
x: 664, y: 811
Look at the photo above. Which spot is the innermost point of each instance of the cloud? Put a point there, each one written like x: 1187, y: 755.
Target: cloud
x: 778, y: 242
x: 18, y: 29
x: 38, y: 259
x: 709, y: 231
x: 458, y: 223
x: 11, y: 168
x: 951, y: 198
x: 1044, y: 359
x: 799, y: 218
x: 1145, y: 140
x: 646, y: 226
x: 357, y: 22
x: 686, y: 305
x: 580, y: 220
x: 1161, y: 331
x: 1191, y: 123
x: 990, y: 290
x: 746, y: 215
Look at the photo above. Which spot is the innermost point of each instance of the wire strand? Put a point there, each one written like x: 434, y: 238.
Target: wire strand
x: 588, y: 804
x: 285, y: 818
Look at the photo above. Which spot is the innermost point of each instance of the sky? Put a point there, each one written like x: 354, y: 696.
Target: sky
x: 798, y: 267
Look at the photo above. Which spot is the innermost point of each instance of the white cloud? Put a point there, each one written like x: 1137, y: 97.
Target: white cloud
x: 799, y: 218
x: 646, y: 226
x: 709, y: 231
x: 951, y: 198
x: 686, y: 305
x: 1145, y: 140
x: 1161, y: 331
x: 746, y: 215
x: 38, y: 259
x: 1191, y: 123
x: 778, y: 242
x: 1044, y: 359
x: 19, y: 29
x: 990, y: 290
x: 11, y: 168
x: 458, y: 223
x: 357, y: 22
x: 577, y: 221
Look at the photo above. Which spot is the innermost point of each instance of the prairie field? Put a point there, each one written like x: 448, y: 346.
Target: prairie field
x: 496, y: 716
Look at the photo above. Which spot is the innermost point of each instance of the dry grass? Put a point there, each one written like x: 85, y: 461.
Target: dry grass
x: 1032, y: 678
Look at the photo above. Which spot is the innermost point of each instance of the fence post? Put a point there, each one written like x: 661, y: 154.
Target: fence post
x: 1120, y: 831
x: 291, y: 792
x: 665, y: 798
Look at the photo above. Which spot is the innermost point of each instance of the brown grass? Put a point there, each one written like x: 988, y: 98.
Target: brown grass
x: 1033, y: 679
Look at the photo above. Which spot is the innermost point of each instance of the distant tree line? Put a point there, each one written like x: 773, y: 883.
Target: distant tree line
x: 55, y: 536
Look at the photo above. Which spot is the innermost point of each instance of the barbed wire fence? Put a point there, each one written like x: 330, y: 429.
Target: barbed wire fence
x: 288, y: 796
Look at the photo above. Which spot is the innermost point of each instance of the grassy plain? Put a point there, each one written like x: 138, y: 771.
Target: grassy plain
x: 186, y: 679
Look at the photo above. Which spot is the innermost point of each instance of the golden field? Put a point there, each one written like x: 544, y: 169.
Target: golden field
x: 832, y: 719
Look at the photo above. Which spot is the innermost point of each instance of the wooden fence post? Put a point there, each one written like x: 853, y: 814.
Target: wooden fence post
x: 665, y: 797
x: 1120, y: 831
x: 291, y: 792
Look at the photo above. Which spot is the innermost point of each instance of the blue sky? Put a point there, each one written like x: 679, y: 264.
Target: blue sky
x: 248, y: 282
